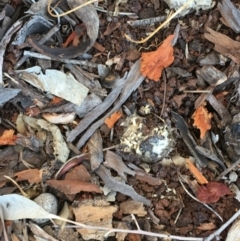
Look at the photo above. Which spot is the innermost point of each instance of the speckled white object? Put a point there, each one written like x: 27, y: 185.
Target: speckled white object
x: 150, y: 145
x: 48, y: 202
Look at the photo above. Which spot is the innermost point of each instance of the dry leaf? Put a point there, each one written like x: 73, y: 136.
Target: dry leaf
x: 113, y: 119
x: 32, y: 175
x: 73, y: 186
x: 95, y: 213
x: 79, y: 173
x: 153, y: 62
x: 212, y: 192
x: 197, y: 174
x: 8, y: 138
x: 202, y: 120
x: 133, y: 207
x: 114, y: 161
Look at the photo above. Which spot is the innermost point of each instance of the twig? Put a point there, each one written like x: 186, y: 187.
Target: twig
x: 68, y: 61
x: 228, y: 170
x: 161, y: 26
x: 147, y: 21
x: 164, y: 93
x: 135, y: 221
x: 3, y: 224
x: 179, y: 178
x: 197, y: 91
x: 70, y: 11
x: 141, y: 232
x: 100, y: 9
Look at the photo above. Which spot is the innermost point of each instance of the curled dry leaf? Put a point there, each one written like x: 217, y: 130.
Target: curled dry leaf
x: 8, y: 138
x: 202, y: 120
x: 113, y: 119
x: 153, y: 62
x: 32, y: 175
x: 73, y: 186
x: 212, y: 192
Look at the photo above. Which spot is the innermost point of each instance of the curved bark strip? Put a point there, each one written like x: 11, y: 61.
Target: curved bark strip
x: 89, y: 17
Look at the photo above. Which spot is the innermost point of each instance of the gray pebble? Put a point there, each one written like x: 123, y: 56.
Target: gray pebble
x: 48, y: 202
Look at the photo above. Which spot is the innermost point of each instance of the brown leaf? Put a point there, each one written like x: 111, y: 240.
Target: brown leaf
x: 202, y: 120
x: 146, y: 177
x: 114, y: 161
x: 133, y: 207
x: 212, y: 192
x: 79, y: 173
x: 154, y: 62
x: 114, y: 185
x: 8, y: 138
x: 32, y: 175
x: 73, y: 186
x: 94, y: 213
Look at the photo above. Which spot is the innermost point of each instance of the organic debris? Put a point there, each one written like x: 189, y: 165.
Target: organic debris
x: 212, y: 192
x: 154, y: 62
x: 90, y: 141
x: 202, y: 120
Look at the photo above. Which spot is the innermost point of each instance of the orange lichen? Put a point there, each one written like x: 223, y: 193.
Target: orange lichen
x: 154, y: 62
x: 8, y: 138
x: 202, y: 120
x: 112, y: 119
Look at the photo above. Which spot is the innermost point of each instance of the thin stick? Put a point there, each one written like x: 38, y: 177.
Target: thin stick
x: 3, y: 224
x: 135, y: 221
x: 161, y: 26
x: 228, y: 170
x: 70, y: 11
x: 164, y: 94
x: 68, y: 61
x: 197, y: 91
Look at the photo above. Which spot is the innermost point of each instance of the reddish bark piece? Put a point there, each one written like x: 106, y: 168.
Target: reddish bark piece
x: 154, y: 62
x: 31, y: 175
x: 8, y: 138
x: 73, y: 186
x: 79, y: 173
x: 202, y: 120
x: 212, y: 192
x: 196, y: 173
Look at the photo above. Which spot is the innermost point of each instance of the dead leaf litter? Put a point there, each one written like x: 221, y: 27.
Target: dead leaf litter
x: 119, y: 120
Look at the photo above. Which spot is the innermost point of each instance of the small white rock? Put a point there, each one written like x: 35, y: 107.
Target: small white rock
x: 49, y: 203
